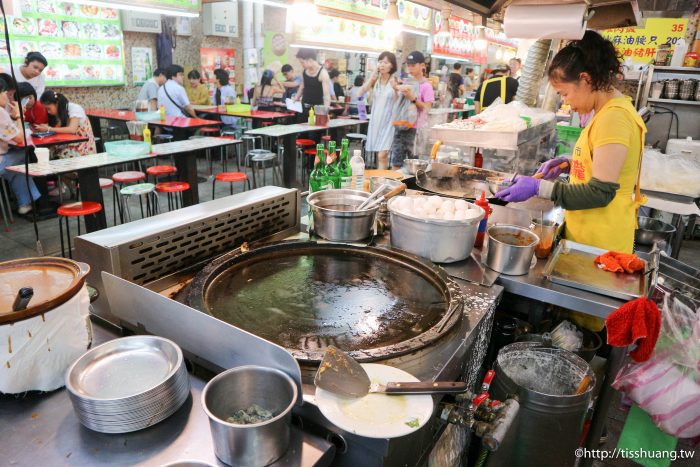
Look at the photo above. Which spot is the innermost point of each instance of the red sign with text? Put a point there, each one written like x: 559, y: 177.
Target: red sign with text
x: 460, y: 43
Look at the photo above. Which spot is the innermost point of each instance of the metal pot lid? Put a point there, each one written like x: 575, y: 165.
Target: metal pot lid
x: 54, y: 281
x: 457, y: 181
x: 373, y: 303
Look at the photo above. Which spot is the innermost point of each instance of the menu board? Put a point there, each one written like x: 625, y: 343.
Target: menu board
x: 189, y: 7
x: 639, y: 44
x: 342, y: 32
x: 460, y: 43
x: 411, y: 14
x: 83, y: 44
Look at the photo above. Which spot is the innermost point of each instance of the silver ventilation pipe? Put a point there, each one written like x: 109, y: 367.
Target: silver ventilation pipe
x: 533, y: 71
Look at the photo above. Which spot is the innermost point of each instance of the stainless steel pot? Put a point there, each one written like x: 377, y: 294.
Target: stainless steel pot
x: 335, y: 217
x: 239, y: 388
x: 507, y: 257
x: 383, y: 221
x: 652, y: 230
x: 441, y: 241
x: 413, y: 165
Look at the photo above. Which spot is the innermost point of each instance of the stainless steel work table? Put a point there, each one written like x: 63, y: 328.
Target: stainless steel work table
x: 41, y: 429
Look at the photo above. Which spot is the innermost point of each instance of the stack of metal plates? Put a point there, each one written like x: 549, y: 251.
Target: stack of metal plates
x: 128, y: 384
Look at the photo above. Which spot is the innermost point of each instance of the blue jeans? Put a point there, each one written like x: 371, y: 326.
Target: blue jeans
x: 17, y: 180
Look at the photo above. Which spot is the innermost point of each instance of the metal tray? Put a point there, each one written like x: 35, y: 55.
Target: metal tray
x: 678, y: 198
x: 572, y: 265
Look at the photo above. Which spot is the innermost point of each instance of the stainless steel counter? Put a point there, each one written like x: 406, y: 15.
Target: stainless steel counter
x: 41, y: 429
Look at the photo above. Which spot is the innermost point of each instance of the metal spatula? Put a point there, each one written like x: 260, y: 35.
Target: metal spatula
x: 341, y: 374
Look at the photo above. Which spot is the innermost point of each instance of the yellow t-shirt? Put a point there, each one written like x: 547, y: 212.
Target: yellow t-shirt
x: 610, y: 227
x: 198, y: 95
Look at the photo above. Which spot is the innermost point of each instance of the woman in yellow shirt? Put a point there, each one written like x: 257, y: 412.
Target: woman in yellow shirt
x: 197, y: 92
x: 601, y: 201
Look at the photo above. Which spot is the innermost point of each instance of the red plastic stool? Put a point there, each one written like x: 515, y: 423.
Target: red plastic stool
x: 79, y: 209
x: 161, y: 170
x: 106, y: 183
x: 229, y: 177
x: 172, y: 189
x: 209, y: 130
x: 326, y: 138
x: 120, y: 179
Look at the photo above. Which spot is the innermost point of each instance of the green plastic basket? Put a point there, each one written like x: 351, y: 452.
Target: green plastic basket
x: 238, y: 108
x: 127, y: 148
x: 567, y: 137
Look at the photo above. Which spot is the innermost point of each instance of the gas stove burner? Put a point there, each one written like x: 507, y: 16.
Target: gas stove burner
x: 374, y: 303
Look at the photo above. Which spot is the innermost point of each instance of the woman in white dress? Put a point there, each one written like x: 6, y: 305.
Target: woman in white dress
x: 380, y: 133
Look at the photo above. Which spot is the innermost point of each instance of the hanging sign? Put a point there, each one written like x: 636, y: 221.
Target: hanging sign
x: 639, y: 44
x: 460, y: 43
x: 411, y: 14
x: 83, y: 44
x: 342, y: 32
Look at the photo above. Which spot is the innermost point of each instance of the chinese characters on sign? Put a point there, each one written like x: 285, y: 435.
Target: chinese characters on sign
x: 460, y: 43
x: 639, y: 44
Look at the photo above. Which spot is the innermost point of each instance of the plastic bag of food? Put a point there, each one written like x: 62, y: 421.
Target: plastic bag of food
x: 671, y: 173
x: 667, y: 386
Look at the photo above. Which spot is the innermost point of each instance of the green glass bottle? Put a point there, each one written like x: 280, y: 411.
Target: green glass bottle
x: 318, y: 179
x: 344, y: 165
x: 332, y: 168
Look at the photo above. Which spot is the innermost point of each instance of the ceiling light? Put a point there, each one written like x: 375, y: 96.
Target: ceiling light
x: 444, y: 31
x: 303, y: 11
x: 392, y: 22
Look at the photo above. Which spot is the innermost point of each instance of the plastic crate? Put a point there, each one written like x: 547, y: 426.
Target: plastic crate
x: 127, y: 148
x: 567, y: 137
x: 148, y: 116
x: 238, y: 108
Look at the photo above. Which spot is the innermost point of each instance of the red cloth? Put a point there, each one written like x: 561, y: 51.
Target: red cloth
x: 636, y: 321
x: 619, y: 262
x: 37, y: 114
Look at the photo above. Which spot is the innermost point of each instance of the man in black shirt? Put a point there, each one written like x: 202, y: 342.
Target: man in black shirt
x: 337, y: 88
x: 500, y: 85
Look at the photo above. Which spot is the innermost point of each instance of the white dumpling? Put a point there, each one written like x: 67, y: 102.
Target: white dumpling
x: 434, y: 202
x: 440, y: 213
x: 460, y: 204
x: 460, y: 215
x: 419, y: 201
x: 448, y: 205
x: 448, y: 215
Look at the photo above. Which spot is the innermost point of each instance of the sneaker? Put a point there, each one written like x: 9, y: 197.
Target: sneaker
x: 24, y: 209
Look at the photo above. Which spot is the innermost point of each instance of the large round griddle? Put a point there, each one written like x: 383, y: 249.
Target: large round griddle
x: 374, y: 303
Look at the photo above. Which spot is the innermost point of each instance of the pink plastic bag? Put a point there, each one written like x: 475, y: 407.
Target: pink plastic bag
x: 667, y: 386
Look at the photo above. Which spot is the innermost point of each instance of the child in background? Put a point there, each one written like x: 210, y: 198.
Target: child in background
x: 34, y: 113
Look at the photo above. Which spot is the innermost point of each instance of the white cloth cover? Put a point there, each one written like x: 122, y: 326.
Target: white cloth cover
x: 36, y: 352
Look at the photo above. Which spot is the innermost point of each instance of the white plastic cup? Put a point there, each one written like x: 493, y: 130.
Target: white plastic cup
x: 42, y: 156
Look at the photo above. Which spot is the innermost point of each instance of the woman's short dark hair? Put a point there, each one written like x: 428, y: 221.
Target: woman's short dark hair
x: 10, y: 83
x: 194, y: 74
x: 359, y: 80
x: 221, y: 76
x: 334, y: 73
x: 391, y: 58
x: 25, y: 89
x: 53, y: 97
x: 3, y: 85
x: 469, y: 70
x: 35, y: 57
x: 593, y: 55
x: 306, y: 54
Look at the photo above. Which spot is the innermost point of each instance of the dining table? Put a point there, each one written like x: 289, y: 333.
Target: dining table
x: 181, y: 127
x: 56, y: 139
x: 87, y: 167
x: 288, y: 134
x: 257, y: 116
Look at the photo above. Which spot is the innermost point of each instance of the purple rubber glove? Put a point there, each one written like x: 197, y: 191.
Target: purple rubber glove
x: 522, y: 189
x: 551, y: 169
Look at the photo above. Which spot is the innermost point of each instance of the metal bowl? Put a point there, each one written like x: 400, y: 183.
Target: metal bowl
x: 239, y: 388
x: 413, y: 165
x: 497, y: 184
x: 652, y: 230
x: 335, y: 218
